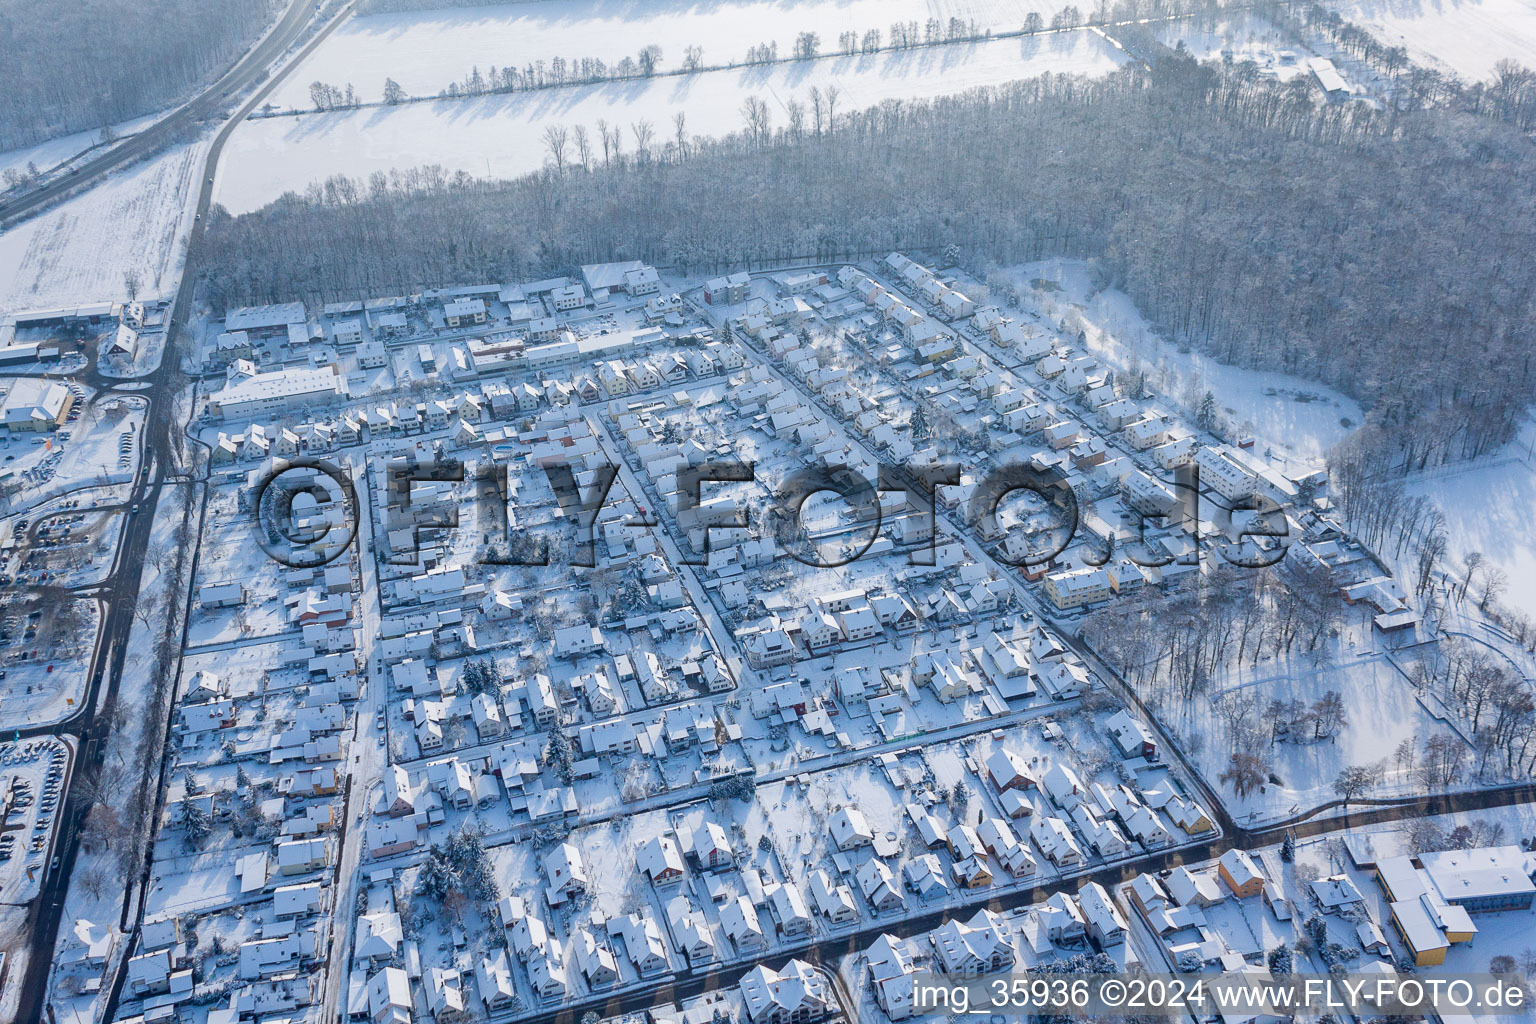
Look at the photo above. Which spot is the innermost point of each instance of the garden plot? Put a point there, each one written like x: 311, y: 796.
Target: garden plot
x: 501, y: 136
x: 188, y: 879
x: 230, y: 553
x: 249, y: 669
x: 796, y: 811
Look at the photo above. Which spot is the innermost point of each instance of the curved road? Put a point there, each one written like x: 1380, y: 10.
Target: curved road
x: 208, y: 104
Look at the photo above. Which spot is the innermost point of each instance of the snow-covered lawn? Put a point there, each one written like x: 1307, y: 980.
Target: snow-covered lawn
x: 135, y: 220
x: 230, y: 553
x: 1381, y: 710
x: 1486, y: 507
x: 1465, y: 36
x: 500, y: 135
x: 425, y: 51
x: 1298, y: 419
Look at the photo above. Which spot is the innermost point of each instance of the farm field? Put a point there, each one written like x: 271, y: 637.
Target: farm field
x: 500, y: 135
x: 1468, y: 37
x: 79, y: 252
x: 424, y: 51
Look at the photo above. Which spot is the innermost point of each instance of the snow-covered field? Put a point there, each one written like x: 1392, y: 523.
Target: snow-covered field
x: 1465, y: 36
x: 499, y: 135
x: 136, y: 219
x: 424, y: 51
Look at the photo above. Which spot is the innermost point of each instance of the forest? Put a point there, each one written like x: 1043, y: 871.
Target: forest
x: 68, y: 67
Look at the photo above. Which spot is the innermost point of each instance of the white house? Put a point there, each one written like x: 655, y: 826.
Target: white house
x: 849, y: 829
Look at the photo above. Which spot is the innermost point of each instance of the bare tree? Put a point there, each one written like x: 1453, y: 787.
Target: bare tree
x: 1494, y: 582
x: 95, y: 881
x: 680, y: 134
x: 756, y: 114
x: 796, y: 112
x: 1472, y: 560
x: 1246, y: 772
x: 602, y: 133
x: 555, y: 137
x: 1353, y: 782
x: 643, y: 132
x: 1329, y: 715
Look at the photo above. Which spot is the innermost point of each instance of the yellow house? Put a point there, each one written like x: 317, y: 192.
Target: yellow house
x: 1429, y: 929
x: 1077, y: 587
x: 1426, y: 922
x: 1240, y: 874
x: 1190, y: 816
x: 972, y: 873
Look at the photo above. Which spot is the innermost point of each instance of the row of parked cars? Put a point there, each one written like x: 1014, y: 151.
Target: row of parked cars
x: 22, y: 796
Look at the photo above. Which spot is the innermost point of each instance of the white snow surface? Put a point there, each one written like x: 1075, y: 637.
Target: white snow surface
x: 500, y: 135
x: 1465, y: 36
x: 1486, y: 506
x: 77, y: 253
x: 426, y: 50
x: 66, y: 147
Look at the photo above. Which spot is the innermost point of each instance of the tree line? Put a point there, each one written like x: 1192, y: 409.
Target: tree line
x: 69, y: 67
